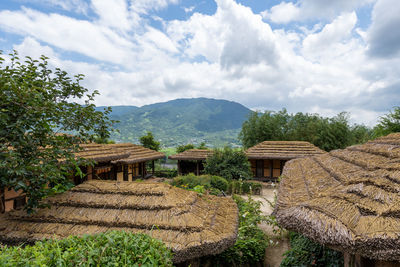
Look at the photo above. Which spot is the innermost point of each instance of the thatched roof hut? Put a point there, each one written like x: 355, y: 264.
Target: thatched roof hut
x: 347, y: 199
x: 284, y: 150
x: 192, y: 154
x: 192, y: 160
x: 192, y: 226
x: 268, y: 158
x: 136, y: 153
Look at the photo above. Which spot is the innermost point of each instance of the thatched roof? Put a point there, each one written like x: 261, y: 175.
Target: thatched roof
x: 284, y: 150
x: 191, y: 225
x: 137, y: 153
x: 347, y: 199
x: 192, y: 154
x: 118, y: 153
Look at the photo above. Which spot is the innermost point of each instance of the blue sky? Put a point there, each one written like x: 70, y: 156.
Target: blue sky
x: 317, y: 56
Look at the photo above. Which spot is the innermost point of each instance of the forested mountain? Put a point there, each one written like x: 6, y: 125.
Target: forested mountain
x: 182, y: 121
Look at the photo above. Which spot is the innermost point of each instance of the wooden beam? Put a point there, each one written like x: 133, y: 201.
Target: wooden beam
x: 197, y: 168
x: 179, y: 167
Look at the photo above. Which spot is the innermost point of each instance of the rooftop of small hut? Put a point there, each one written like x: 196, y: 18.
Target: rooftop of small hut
x: 347, y: 199
x: 284, y: 150
x: 126, y: 153
x: 192, y: 226
x: 192, y: 154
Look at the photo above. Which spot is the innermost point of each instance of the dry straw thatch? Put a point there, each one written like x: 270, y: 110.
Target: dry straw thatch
x: 192, y: 226
x: 118, y: 153
x: 284, y: 150
x: 192, y: 154
x: 347, y: 199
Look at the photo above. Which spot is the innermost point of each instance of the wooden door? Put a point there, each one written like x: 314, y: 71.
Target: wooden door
x: 259, y: 168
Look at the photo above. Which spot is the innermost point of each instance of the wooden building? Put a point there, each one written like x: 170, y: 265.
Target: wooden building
x: 268, y: 158
x: 348, y: 200
x: 192, y: 226
x: 123, y: 162
x: 191, y: 161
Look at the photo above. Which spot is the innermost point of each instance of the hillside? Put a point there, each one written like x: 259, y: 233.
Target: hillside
x: 182, y: 121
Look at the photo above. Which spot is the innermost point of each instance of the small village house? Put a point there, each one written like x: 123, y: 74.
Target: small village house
x: 348, y: 200
x: 191, y: 161
x: 268, y: 158
x: 122, y: 162
x: 193, y: 226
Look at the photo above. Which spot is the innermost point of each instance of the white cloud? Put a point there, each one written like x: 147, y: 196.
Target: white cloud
x: 311, y: 9
x: 113, y: 13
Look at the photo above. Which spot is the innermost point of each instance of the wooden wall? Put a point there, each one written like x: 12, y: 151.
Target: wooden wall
x: 270, y: 166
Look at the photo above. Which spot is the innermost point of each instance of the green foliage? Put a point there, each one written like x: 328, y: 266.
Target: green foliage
x: 389, y: 123
x: 326, y: 133
x: 202, y: 146
x: 244, y: 187
x: 304, y: 252
x: 213, y: 184
x: 182, y: 148
x: 251, y: 242
x: 228, y: 163
x: 106, y: 249
x: 149, y: 142
x: 35, y: 105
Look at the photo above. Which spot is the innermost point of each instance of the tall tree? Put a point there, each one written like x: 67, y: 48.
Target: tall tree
x: 149, y: 141
x: 389, y: 123
x: 36, y: 105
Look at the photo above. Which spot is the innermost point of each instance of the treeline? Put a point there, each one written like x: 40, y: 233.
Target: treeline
x: 326, y: 133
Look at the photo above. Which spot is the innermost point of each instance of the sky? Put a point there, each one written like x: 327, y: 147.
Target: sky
x: 316, y: 56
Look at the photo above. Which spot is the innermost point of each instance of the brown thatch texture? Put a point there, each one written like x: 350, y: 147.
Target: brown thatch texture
x: 192, y: 226
x: 137, y: 153
x: 118, y: 153
x: 284, y: 150
x: 192, y: 154
x: 348, y: 199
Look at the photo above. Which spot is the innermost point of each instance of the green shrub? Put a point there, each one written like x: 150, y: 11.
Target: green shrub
x: 244, y: 187
x: 213, y: 184
x: 305, y: 252
x: 219, y: 183
x: 251, y: 242
x: 113, y: 248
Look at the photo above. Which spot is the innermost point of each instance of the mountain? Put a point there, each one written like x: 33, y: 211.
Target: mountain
x: 182, y: 121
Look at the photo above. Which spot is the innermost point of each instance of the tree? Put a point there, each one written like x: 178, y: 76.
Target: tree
x: 149, y: 142
x: 36, y: 107
x: 183, y: 148
x: 389, y: 123
x: 228, y: 163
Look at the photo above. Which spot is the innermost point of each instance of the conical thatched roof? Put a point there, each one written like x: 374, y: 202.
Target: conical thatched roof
x: 348, y: 199
x: 191, y: 225
x: 284, y: 150
x: 192, y: 154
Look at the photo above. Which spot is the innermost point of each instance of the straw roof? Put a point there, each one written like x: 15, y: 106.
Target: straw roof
x: 192, y: 154
x: 118, y: 153
x: 284, y: 150
x: 347, y: 199
x: 191, y: 225
x: 137, y: 153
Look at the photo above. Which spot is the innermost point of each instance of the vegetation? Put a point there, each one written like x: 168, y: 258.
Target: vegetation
x: 182, y: 121
x: 107, y: 249
x: 244, y: 187
x: 228, y: 163
x: 389, y: 123
x: 251, y: 243
x: 213, y: 184
x: 304, y: 252
x: 149, y: 142
x: 183, y: 148
x: 35, y: 104
x: 326, y: 133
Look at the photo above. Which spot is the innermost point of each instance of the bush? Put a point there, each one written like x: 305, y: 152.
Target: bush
x: 113, y: 248
x: 251, y: 242
x: 229, y: 164
x: 244, y: 187
x: 213, y: 184
x: 305, y: 252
